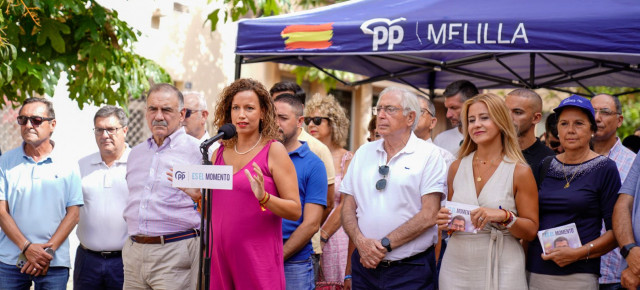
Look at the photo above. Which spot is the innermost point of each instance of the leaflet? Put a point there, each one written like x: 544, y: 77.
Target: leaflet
x: 562, y: 236
x: 461, y: 216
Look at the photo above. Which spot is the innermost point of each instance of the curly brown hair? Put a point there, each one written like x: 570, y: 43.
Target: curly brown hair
x: 329, y: 107
x: 268, y: 125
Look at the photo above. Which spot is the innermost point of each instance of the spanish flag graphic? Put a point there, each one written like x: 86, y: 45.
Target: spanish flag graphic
x: 308, y: 36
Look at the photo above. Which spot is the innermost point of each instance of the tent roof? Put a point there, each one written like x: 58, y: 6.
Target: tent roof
x: 430, y: 43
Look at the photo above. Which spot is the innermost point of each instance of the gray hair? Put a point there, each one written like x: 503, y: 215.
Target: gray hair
x: 430, y: 107
x: 164, y: 87
x: 616, y: 100
x: 50, y: 112
x: 202, y: 101
x: 409, y: 102
x: 108, y: 111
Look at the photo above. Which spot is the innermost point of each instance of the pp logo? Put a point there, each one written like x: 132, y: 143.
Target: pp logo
x: 180, y: 175
x: 385, y: 32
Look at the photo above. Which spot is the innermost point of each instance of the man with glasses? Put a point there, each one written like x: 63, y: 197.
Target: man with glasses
x: 526, y: 111
x: 101, y: 230
x: 393, y: 190
x: 195, y: 118
x: 40, y: 197
x: 426, y: 123
x: 162, y: 251
x: 455, y: 94
x: 609, y: 118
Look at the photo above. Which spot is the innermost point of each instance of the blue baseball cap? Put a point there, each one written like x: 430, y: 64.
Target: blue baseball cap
x: 578, y: 102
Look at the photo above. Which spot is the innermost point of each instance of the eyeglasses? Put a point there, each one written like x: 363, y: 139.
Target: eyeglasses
x: 315, y: 120
x: 382, y: 183
x: 390, y: 110
x: 110, y: 131
x: 422, y: 111
x: 605, y: 112
x: 189, y: 112
x: 554, y: 144
x: 35, y: 120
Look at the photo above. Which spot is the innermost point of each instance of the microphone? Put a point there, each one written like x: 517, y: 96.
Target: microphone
x: 226, y: 132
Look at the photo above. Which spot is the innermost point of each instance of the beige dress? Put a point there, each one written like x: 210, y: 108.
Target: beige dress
x: 492, y: 258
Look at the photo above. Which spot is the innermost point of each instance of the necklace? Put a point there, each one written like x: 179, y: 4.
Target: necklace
x: 479, y: 178
x: 235, y: 147
x: 572, y: 176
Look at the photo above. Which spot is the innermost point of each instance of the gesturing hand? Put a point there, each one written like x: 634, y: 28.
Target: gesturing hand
x: 257, y: 181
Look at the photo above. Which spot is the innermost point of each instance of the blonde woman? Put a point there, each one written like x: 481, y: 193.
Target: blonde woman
x: 488, y: 162
x: 327, y: 122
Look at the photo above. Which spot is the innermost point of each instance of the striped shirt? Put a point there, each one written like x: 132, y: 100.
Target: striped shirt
x: 611, y: 264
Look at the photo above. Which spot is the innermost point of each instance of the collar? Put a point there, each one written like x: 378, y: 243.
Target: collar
x: 48, y: 159
x: 615, y: 150
x: 408, y: 148
x: 205, y: 137
x: 167, y: 141
x: 302, y: 150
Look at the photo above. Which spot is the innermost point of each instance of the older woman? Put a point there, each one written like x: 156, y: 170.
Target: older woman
x: 246, y: 231
x: 327, y: 122
x: 578, y: 186
x: 489, y: 162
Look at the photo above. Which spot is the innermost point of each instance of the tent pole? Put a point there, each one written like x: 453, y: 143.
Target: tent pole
x: 532, y: 70
x: 238, y: 66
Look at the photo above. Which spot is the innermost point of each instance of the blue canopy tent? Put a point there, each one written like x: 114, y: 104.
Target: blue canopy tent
x: 427, y: 44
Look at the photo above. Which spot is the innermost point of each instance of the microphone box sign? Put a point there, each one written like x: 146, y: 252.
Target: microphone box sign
x: 203, y: 176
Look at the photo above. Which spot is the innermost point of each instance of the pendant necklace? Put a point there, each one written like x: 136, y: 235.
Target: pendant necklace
x: 479, y: 178
x: 572, y: 176
x: 235, y: 147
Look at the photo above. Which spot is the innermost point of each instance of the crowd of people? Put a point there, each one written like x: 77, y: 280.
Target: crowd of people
x: 306, y: 213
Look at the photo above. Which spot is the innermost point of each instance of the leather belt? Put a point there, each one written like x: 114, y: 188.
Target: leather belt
x: 104, y: 254
x: 409, y: 260
x: 166, y: 238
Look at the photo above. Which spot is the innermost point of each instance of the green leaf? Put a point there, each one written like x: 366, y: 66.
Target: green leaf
x: 213, y: 17
x: 9, y: 72
x: 51, y: 30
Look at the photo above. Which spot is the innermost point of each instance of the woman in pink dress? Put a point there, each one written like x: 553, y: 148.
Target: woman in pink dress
x: 327, y: 122
x: 246, y: 227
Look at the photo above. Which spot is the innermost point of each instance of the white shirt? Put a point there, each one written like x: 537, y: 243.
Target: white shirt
x: 415, y: 171
x: 101, y: 226
x: 446, y: 155
x: 450, y: 140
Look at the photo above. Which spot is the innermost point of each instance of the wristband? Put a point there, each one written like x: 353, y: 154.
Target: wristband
x: 26, y: 248
x: 323, y: 239
x: 25, y: 244
x: 347, y: 277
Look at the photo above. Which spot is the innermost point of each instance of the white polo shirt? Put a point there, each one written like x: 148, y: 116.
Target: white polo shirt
x: 416, y: 170
x: 101, y: 226
x: 450, y: 139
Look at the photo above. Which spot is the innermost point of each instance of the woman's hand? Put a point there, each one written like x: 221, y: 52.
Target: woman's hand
x: 443, y: 219
x: 257, y: 181
x: 562, y: 256
x: 194, y: 193
x: 481, y: 216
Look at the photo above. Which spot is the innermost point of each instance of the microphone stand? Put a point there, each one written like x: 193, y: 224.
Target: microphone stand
x: 204, y: 265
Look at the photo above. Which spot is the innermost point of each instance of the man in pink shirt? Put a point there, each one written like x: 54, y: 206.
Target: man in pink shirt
x: 162, y: 222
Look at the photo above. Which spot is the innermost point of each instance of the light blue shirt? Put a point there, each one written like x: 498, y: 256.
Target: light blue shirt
x: 38, y: 194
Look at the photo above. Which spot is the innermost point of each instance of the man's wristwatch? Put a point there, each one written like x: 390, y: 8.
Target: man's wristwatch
x: 624, y: 251
x: 386, y: 244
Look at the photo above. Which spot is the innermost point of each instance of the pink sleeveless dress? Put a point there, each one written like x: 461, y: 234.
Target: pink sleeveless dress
x: 246, y: 242
x: 334, y: 253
